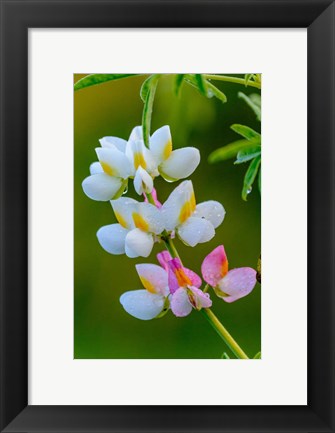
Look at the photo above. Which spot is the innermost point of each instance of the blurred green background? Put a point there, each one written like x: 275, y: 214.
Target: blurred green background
x: 102, y: 329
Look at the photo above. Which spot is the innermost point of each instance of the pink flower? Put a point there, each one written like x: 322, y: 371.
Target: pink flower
x: 184, y: 287
x: 228, y: 285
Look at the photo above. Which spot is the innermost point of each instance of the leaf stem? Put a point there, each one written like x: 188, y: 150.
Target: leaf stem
x: 224, y: 334
x: 233, y: 80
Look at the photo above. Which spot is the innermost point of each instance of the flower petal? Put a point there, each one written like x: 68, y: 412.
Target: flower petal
x: 142, y: 304
x: 112, y: 238
x: 161, y: 143
x: 180, y: 164
x: 194, y: 278
x: 149, y: 218
x: 114, y: 142
x: 212, y: 211
x: 180, y: 303
x: 138, y: 243
x: 177, y: 275
x: 96, y: 168
x: 215, y: 266
x: 114, y: 162
x: 101, y: 186
x: 179, y: 206
x: 196, y: 230
x: 123, y: 208
x: 154, y: 278
x: 236, y: 284
x: 136, y: 134
x: 164, y: 257
x: 199, y: 299
x: 143, y: 181
x: 140, y: 156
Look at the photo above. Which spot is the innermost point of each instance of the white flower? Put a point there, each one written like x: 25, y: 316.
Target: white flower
x: 108, y: 176
x: 172, y: 164
x: 138, y: 223
x: 120, y: 160
x: 193, y: 223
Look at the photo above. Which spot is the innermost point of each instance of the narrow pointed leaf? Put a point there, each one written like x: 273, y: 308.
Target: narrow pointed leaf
x: 254, y: 103
x: 231, y: 150
x: 245, y: 131
x: 178, y: 83
x: 94, y: 79
x: 210, y: 91
x: 214, y: 91
x: 202, y: 84
x: 151, y: 85
x: 250, y: 176
x: 145, y: 88
x: 248, y: 154
x: 258, y: 355
x: 225, y: 356
x: 247, y: 78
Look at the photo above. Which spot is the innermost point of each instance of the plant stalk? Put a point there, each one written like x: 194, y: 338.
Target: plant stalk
x: 233, y: 80
x: 224, y: 334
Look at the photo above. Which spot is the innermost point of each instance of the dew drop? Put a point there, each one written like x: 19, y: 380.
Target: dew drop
x: 210, y: 94
x: 125, y: 191
x: 249, y: 190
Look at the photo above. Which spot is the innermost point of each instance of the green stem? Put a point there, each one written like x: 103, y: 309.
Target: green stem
x: 170, y: 246
x: 224, y: 334
x: 233, y: 80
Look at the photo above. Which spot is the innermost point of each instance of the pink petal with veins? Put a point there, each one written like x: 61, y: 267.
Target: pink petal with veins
x: 215, y: 266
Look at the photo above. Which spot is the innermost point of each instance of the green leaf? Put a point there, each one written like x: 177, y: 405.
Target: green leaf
x: 178, y: 83
x: 201, y: 83
x: 260, y: 181
x: 245, y: 131
x: 214, y: 91
x: 254, y: 102
x: 247, y: 78
x: 248, y: 154
x: 258, y: 355
x: 250, y: 176
x: 151, y: 85
x: 145, y: 88
x: 94, y: 79
x: 225, y: 356
x: 231, y: 150
x: 210, y: 91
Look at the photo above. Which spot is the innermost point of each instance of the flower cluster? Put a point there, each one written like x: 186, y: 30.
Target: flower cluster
x: 120, y: 160
x: 171, y: 285
x: 139, y: 225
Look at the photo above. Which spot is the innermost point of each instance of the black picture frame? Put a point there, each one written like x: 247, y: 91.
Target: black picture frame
x: 16, y: 18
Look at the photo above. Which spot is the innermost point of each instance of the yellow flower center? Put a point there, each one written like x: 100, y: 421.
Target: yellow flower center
x: 121, y: 220
x: 139, y: 160
x: 187, y: 209
x: 167, y: 150
x: 108, y: 169
x: 140, y: 222
x: 148, y: 285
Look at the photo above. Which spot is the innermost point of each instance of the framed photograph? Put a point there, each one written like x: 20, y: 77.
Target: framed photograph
x: 167, y: 216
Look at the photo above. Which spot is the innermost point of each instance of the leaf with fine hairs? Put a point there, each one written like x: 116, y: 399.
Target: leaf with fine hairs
x: 245, y: 131
x: 231, y: 150
x: 250, y: 176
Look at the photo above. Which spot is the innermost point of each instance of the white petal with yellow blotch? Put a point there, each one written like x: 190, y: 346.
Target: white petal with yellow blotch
x: 114, y: 162
x: 193, y: 223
